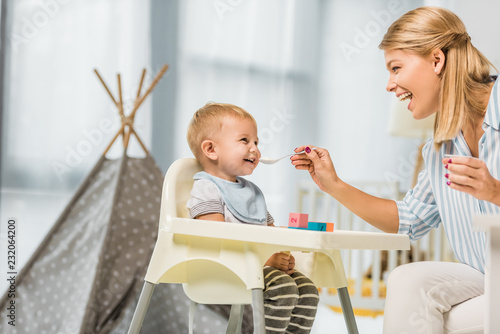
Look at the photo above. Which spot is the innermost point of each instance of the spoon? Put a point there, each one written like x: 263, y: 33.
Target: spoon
x: 270, y: 161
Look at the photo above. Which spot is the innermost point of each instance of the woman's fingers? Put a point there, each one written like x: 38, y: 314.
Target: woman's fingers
x: 464, y: 170
x: 318, y: 163
x: 471, y: 176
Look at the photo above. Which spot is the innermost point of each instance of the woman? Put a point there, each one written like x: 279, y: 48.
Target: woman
x: 432, y: 63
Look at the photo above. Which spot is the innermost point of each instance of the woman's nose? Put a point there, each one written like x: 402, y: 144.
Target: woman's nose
x: 391, y: 85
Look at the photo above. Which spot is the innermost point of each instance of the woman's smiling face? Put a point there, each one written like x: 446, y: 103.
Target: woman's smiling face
x: 416, y: 78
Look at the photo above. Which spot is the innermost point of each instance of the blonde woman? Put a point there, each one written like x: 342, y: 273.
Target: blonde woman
x: 433, y: 63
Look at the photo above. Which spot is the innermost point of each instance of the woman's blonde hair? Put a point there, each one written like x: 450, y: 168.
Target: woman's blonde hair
x: 465, y: 78
x: 208, y: 121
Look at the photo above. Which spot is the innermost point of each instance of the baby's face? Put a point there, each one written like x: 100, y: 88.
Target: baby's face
x: 236, y: 147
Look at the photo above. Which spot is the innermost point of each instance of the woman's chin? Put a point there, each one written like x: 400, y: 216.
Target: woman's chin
x: 421, y: 114
x: 417, y: 116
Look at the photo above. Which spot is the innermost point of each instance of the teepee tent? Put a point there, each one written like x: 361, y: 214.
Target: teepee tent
x: 86, y: 275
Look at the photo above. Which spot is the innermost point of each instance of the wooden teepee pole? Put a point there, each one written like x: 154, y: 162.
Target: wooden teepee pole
x: 139, y: 140
x: 120, y: 101
x: 114, y: 139
x: 106, y: 87
x: 139, y: 101
x: 132, y: 130
x: 126, y: 138
x: 127, y: 127
x: 120, y: 107
x: 140, y: 83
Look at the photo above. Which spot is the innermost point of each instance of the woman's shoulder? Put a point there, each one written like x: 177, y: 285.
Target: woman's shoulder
x: 430, y: 153
x: 428, y: 147
x: 494, y: 90
x: 492, y: 116
x: 494, y: 81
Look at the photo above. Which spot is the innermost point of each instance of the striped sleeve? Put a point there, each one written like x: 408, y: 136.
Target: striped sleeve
x: 270, y: 219
x: 205, y: 198
x: 418, y: 211
x: 206, y: 207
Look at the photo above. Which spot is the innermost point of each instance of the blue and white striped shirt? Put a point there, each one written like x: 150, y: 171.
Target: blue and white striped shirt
x: 432, y: 202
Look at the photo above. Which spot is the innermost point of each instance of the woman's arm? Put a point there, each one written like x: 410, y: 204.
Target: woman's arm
x: 379, y: 212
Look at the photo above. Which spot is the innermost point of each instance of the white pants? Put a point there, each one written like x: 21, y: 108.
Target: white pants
x: 434, y: 297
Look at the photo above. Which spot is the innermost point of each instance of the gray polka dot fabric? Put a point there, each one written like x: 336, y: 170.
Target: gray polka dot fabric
x: 87, y: 274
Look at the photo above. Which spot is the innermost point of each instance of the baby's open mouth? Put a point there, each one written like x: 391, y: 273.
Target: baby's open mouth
x: 250, y: 160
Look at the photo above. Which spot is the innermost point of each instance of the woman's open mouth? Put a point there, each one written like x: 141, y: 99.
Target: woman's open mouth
x: 405, y: 96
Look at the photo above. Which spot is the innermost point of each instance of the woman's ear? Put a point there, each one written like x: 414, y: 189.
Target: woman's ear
x: 438, y: 60
x: 208, y: 149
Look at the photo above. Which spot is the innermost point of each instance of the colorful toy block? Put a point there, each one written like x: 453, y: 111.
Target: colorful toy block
x: 298, y: 220
x: 317, y: 226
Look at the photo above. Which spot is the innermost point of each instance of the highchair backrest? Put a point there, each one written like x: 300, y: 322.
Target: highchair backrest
x: 177, y: 188
x: 208, y: 269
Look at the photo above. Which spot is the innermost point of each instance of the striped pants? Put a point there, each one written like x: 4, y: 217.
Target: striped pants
x: 290, y: 302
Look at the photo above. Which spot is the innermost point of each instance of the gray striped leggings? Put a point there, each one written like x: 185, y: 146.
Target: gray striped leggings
x: 290, y: 302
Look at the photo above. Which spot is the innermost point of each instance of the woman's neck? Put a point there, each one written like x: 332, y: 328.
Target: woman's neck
x: 473, y: 130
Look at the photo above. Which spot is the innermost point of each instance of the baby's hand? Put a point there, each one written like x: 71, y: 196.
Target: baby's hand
x: 291, y: 265
x: 282, y: 261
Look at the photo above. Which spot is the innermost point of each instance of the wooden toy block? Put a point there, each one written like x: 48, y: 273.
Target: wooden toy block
x: 299, y: 220
x: 329, y: 227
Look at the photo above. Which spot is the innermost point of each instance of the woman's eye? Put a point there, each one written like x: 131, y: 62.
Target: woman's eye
x: 395, y: 69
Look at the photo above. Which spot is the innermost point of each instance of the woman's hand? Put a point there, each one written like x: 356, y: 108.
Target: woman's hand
x: 379, y: 212
x: 320, y: 166
x: 471, y: 176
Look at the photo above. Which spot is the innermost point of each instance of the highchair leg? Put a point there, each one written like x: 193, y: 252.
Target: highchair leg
x: 345, y: 303
x: 259, y: 325
x: 192, y: 308
x: 142, y: 308
x: 235, y: 319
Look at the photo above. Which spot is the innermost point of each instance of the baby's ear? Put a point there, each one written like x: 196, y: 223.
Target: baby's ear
x: 208, y: 149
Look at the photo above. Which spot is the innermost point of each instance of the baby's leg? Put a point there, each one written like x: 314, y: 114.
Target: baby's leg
x: 280, y: 298
x: 304, y: 312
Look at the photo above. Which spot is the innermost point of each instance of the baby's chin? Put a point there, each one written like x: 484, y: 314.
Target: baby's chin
x: 246, y: 173
x: 249, y: 170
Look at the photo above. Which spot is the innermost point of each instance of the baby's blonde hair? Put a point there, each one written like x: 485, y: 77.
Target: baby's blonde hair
x: 465, y: 77
x: 208, y: 121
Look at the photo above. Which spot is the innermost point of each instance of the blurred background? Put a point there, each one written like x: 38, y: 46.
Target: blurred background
x: 309, y: 71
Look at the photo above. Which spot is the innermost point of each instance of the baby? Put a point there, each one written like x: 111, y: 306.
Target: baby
x: 223, y: 138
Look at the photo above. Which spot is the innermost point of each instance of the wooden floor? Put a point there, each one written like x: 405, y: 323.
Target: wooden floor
x: 329, y: 322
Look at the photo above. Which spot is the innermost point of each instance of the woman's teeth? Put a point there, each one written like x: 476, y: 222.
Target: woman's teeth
x: 405, y: 96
